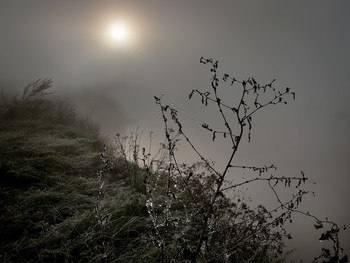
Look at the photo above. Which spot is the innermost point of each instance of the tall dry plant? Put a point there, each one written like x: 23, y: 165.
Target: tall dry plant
x: 192, y: 216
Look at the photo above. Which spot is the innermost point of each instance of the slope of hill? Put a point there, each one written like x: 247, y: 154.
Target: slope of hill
x: 49, y: 205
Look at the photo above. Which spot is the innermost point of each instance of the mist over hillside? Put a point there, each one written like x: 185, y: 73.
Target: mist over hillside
x: 96, y: 103
x: 71, y: 193
x: 109, y: 59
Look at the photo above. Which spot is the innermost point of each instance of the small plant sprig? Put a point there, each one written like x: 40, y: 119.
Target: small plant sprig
x: 102, y: 217
x: 128, y: 148
x: 205, y: 185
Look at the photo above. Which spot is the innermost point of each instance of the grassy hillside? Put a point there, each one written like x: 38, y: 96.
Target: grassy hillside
x: 49, y: 190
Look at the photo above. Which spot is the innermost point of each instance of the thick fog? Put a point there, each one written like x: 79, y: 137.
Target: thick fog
x: 303, y: 44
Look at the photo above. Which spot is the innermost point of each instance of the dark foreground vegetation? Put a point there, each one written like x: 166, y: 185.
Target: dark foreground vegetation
x: 48, y: 164
x: 66, y: 197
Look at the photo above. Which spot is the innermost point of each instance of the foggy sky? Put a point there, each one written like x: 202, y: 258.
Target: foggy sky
x: 303, y: 44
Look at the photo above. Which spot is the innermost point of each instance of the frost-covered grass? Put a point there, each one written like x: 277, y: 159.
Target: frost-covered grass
x: 48, y: 192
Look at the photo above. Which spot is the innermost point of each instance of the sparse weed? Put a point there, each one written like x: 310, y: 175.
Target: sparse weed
x: 207, y: 225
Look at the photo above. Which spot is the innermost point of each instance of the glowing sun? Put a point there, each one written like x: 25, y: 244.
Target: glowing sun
x: 119, y: 32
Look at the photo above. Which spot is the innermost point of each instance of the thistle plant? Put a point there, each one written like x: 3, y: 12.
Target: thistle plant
x: 195, y: 219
